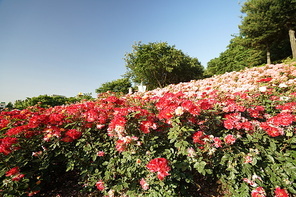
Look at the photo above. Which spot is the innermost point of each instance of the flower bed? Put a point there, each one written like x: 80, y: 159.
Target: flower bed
x: 235, y: 131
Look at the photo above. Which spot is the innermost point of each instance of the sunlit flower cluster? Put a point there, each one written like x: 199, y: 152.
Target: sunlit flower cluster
x: 159, y: 165
x: 220, y: 111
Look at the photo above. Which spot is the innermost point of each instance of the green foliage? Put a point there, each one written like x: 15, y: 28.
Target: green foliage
x: 258, y: 26
x: 235, y: 58
x: 9, y: 106
x: 264, y: 29
x: 46, y: 101
x: 42, y: 100
x: 218, y: 143
x: 119, y: 85
x: 159, y: 64
x: 266, y: 24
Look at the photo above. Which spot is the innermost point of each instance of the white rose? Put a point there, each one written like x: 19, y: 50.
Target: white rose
x: 283, y: 85
x: 284, y: 98
x: 263, y: 89
x: 179, y: 111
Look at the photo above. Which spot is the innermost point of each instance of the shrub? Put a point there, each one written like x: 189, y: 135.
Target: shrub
x: 163, y: 142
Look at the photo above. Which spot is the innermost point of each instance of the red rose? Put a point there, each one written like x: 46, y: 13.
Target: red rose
x: 12, y: 171
x: 101, y: 153
x: 265, y: 79
x: 18, y: 177
x: 74, y: 134
x: 159, y: 165
x: 258, y: 192
x: 100, y: 185
x: 217, y: 142
x: 6, y: 145
x: 120, y: 145
x: 280, y: 192
x: 198, y: 137
x: 229, y: 139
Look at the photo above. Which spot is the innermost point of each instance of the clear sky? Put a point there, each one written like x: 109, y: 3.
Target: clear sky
x: 69, y: 46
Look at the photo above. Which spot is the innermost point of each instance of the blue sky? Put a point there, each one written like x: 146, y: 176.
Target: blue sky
x: 70, y: 46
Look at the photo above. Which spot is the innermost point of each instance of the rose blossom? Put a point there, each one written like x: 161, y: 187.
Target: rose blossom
x: 248, y: 159
x: 18, y: 177
x: 250, y: 182
x: 101, y: 153
x: 138, y: 161
x: 159, y: 165
x: 145, y: 126
x: 212, y: 151
x: 120, y: 145
x: 100, y: 185
x: 15, y: 172
x: 283, y: 85
x: 191, y: 152
x: 217, y: 142
x: 198, y: 137
x: 12, y: 171
x: 284, y: 98
x: 265, y: 79
x: 255, y: 176
x: 73, y: 134
x: 100, y: 126
x: 263, y: 89
x: 6, y: 145
x: 258, y: 192
x: 179, y: 111
x: 280, y: 192
x: 229, y: 139
x: 36, y: 154
x: 144, y: 184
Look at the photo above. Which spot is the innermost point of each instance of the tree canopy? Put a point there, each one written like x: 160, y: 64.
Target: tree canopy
x: 159, y: 64
x: 268, y: 23
x: 46, y: 101
x: 119, y: 85
x: 235, y: 58
x: 266, y: 32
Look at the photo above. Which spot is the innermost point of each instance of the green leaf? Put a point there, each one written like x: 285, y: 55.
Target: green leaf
x: 270, y: 158
x: 272, y: 146
x: 292, y: 188
x: 224, y: 158
x: 200, y: 166
x: 209, y: 171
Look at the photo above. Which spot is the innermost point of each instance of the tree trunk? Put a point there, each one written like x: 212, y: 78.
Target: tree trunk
x: 268, y: 55
x: 293, y: 42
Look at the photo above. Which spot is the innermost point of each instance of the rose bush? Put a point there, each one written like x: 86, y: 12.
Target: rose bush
x: 226, y: 131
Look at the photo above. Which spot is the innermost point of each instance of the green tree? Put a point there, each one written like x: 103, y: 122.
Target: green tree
x: 257, y: 25
x: 80, y: 97
x: 159, y: 64
x: 119, y: 85
x: 9, y: 106
x: 286, y: 17
x: 268, y: 23
x: 50, y: 101
x: 236, y: 57
x: 42, y: 100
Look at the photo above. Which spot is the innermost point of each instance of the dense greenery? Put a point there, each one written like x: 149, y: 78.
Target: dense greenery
x: 267, y: 23
x: 266, y: 35
x: 212, y: 139
x: 159, y: 64
x: 235, y: 58
x: 119, y: 85
x: 46, y: 101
